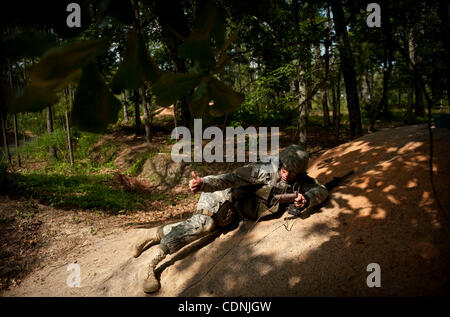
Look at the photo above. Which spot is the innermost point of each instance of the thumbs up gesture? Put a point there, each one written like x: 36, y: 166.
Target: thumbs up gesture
x: 195, y: 183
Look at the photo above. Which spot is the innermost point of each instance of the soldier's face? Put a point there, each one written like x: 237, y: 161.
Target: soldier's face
x: 287, y: 175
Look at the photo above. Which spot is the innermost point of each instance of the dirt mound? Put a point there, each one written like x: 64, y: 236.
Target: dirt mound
x: 384, y: 213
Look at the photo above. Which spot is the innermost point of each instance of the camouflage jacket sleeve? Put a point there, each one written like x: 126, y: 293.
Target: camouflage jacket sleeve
x: 250, y: 174
x: 315, y: 192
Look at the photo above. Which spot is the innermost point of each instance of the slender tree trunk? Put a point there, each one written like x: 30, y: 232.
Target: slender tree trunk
x: 323, y: 67
x: 348, y: 69
x: 124, y: 103
x: 301, y: 84
x: 303, y: 115
x: 409, y: 112
x: 383, y: 104
x: 239, y: 77
x: 148, y: 131
x: 419, y: 106
x: 68, y: 93
x: 325, y: 97
x: 49, y: 115
x: 386, y: 29
x: 16, y: 134
x: 172, y: 18
x: 175, y: 110
x: 16, y: 140
x: 5, y: 139
x: 337, y: 122
x: 323, y: 92
x: 137, y: 113
x: 365, y: 97
x: 334, y: 103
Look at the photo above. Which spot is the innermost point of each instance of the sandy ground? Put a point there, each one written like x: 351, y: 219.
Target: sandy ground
x: 384, y: 213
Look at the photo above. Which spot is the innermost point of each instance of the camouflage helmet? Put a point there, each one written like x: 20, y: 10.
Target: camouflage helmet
x: 294, y: 158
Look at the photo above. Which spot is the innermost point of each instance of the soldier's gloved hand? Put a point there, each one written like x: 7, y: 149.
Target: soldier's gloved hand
x: 300, y: 201
x: 195, y: 183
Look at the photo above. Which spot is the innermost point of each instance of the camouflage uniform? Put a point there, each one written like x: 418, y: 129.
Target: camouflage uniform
x: 240, y: 188
x: 235, y: 187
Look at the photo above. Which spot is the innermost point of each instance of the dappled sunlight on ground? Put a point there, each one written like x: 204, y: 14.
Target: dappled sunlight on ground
x: 384, y: 213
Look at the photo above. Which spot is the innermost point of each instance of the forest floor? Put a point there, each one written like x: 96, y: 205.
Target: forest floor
x: 385, y: 213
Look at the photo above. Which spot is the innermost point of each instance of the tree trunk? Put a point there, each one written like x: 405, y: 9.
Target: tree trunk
x: 419, y: 106
x: 148, y: 131
x: 68, y: 93
x: 137, y: 112
x: 337, y: 105
x: 16, y: 134
x: 386, y: 29
x: 16, y: 140
x: 323, y: 93
x: 383, y: 104
x: 323, y: 67
x: 301, y: 86
x: 409, y: 112
x: 49, y: 115
x: 325, y: 97
x: 124, y: 102
x: 172, y: 18
x: 348, y: 69
x: 303, y: 115
x: 5, y: 139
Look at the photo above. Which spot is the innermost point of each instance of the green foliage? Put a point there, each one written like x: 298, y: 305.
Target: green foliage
x: 225, y: 99
x: 94, y: 106
x: 180, y: 84
x: 38, y: 147
x: 262, y: 105
x: 94, y: 98
x: 56, y: 69
x: 137, y: 66
x: 79, y: 191
x: 210, y: 24
x: 29, y: 43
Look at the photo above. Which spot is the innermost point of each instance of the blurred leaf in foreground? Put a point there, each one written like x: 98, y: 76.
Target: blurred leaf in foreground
x: 137, y: 66
x: 95, y: 107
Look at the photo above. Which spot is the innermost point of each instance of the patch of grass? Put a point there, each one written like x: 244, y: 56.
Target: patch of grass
x: 79, y: 191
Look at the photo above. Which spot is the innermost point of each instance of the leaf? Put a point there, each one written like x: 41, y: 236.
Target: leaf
x: 197, y: 49
x: 137, y: 66
x: 223, y: 60
x: 218, y: 31
x: 59, y: 63
x: 230, y: 40
x: 29, y: 43
x: 32, y: 99
x: 225, y: 98
x: 94, y: 107
x: 200, y: 98
x: 172, y: 86
x: 121, y: 11
x: 210, y: 23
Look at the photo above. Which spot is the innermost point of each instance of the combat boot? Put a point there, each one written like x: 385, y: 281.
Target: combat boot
x: 151, y: 284
x: 144, y: 238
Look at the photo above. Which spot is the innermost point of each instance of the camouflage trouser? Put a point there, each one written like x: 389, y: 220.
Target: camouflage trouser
x: 177, y: 235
